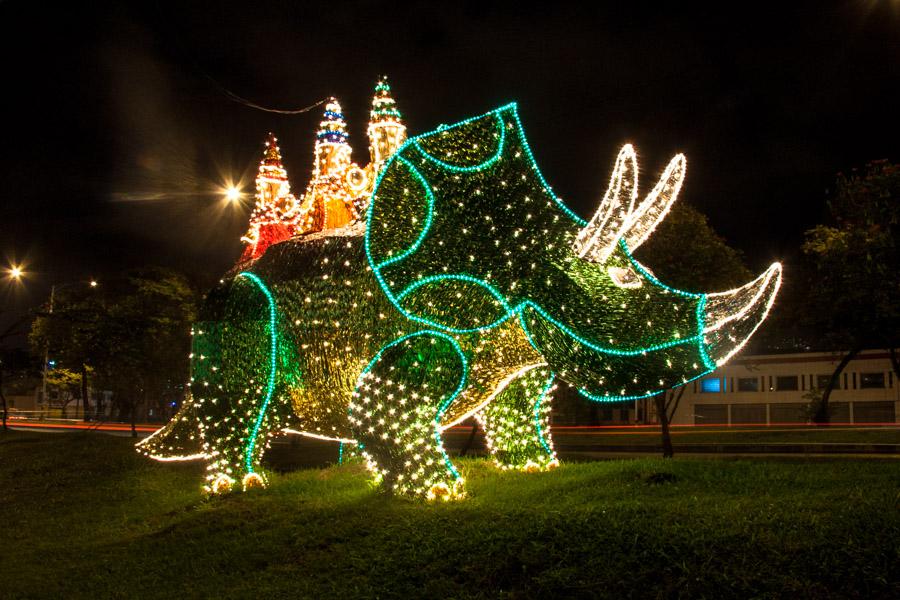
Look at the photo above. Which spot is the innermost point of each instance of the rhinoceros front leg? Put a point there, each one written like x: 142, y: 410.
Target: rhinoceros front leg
x: 242, y: 368
x: 396, y: 413
x: 239, y: 402
x: 516, y: 420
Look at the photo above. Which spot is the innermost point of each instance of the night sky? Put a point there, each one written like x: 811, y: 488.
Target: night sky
x: 117, y: 134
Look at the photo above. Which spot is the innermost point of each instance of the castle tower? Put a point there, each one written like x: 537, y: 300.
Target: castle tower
x: 329, y: 200
x: 332, y: 150
x: 386, y: 130
x: 272, y: 185
x: 276, y: 207
x: 338, y: 191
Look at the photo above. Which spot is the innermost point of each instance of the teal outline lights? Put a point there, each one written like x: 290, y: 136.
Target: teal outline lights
x: 537, y: 414
x: 273, y: 361
x: 448, y: 401
x: 487, y: 163
x: 428, y: 217
x: 502, y: 301
x: 510, y: 310
x: 513, y: 109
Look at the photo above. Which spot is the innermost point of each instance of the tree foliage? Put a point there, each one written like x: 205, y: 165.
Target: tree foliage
x: 688, y: 254
x: 853, y: 298
x: 855, y: 291
x: 133, y: 331
x: 67, y: 384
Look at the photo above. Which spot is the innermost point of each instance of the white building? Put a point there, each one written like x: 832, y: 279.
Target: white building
x: 774, y: 388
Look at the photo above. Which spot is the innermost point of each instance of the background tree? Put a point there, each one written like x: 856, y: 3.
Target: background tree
x: 148, y: 341
x: 12, y: 361
x: 853, y: 298
x: 67, y: 384
x: 70, y: 334
x: 688, y: 254
x: 18, y: 375
x: 132, y: 332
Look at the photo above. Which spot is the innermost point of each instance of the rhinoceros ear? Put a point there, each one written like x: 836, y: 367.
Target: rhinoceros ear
x: 656, y: 205
x: 598, y: 238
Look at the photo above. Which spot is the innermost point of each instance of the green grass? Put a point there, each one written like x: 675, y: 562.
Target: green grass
x: 85, y: 516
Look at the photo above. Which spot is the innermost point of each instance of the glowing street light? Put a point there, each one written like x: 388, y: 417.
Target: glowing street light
x: 15, y: 272
x: 232, y: 194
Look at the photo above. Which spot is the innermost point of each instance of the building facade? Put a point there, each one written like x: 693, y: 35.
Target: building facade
x: 775, y: 389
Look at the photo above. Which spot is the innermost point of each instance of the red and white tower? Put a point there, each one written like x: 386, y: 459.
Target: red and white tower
x: 276, y: 208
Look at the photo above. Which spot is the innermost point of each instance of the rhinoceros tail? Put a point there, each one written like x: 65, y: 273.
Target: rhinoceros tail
x: 179, y: 439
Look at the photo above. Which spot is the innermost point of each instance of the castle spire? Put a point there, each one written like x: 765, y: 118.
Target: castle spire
x: 386, y: 130
x: 383, y: 106
x: 272, y: 153
x: 271, y: 219
x: 332, y: 128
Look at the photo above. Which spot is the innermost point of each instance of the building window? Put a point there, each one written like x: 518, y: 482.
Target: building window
x: 713, y: 385
x: 822, y: 382
x: 709, y: 414
x: 786, y: 383
x: 871, y: 380
x: 748, y: 384
x: 748, y: 413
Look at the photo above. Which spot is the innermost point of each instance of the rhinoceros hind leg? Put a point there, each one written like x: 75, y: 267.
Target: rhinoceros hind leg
x: 253, y: 480
x: 516, y: 421
x: 396, y: 412
x: 220, y: 484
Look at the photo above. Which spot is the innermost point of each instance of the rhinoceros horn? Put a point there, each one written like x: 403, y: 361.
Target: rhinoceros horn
x: 731, y: 317
x: 616, y: 216
x: 599, y: 237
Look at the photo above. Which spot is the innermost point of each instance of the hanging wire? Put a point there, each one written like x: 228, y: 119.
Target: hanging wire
x: 231, y: 95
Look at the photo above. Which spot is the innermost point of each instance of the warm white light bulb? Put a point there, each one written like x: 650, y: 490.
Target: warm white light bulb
x: 232, y: 194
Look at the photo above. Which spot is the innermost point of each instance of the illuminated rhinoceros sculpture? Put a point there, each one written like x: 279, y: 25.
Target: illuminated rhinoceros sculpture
x: 469, y: 290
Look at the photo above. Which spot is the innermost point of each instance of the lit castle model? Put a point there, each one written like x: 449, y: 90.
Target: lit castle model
x: 444, y: 280
x: 339, y: 189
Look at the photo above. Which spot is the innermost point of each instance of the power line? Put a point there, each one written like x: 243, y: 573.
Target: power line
x: 240, y: 100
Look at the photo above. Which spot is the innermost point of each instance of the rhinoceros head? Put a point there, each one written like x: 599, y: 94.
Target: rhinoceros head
x: 464, y: 234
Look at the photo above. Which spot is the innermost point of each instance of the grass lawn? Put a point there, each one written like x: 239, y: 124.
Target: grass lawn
x: 85, y: 516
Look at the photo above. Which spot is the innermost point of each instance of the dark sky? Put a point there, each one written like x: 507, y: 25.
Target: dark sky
x: 115, y: 138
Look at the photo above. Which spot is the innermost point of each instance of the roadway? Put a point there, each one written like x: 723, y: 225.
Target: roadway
x: 586, y: 442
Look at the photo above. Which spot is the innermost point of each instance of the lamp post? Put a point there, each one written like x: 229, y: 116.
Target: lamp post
x: 14, y: 273
x: 92, y: 283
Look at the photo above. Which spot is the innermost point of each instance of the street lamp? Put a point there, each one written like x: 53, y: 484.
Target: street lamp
x: 232, y: 194
x: 15, y: 272
x: 93, y: 283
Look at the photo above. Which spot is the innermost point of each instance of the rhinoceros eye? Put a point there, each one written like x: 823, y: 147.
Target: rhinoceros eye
x: 624, y: 277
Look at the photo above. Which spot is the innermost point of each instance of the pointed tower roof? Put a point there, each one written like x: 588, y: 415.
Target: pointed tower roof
x: 271, y: 167
x: 383, y: 106
x: 272, y: 153
x: 332, y: 128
